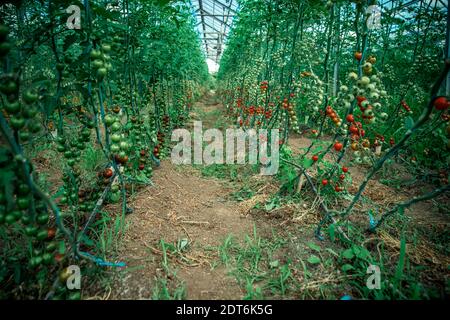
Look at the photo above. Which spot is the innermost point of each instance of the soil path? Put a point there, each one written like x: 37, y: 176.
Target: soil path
x: 185, y: 208
x: 181, y: 206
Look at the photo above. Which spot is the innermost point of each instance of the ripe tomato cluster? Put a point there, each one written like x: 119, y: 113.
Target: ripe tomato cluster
x: 332, y: 114
x: 405, y: 106
x: 338, y: 185
x: 264, y: 85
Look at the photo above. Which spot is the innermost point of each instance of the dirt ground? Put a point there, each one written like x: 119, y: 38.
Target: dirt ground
x: 181, y: 205
x: 184, y: 206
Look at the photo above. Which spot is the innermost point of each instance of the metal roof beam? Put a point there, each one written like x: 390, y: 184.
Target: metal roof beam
x: 207, y: 14
x: 224, y: 6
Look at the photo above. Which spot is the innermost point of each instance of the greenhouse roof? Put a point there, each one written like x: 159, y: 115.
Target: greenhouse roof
x: 214, y: 18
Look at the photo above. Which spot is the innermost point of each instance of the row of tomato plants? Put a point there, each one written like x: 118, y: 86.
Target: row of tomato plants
x: 103, y: 99
x: 297, y: 67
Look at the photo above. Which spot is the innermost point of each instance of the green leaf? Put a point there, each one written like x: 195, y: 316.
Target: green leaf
x: 163, y: 2
x: 409, y: 122
x: 331, y: 232
x: 313, y: 259
x: 307, y: 162
x: 346, y: 267
x: 314, y: 246
x: 62, y: 247
x: 348, y: 254
x: 87, y: 241
x: 334, y: 253
x: 362, y: 253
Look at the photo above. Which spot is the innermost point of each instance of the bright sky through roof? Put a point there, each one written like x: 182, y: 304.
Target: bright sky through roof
x: 212, y: 66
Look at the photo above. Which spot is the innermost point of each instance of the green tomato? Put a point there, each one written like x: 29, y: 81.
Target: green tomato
x: 42, y: 234
x: 116, y: 126
x: 81, y: 146
x: 61, y: 148
x: 86, y: 133
x: 23, y: 203
x: 31, y: 231
x: 97, y: 63
x: 47, y: 258
x: 23, y: 189
x: 30, y: 112
x: 114, y: 197
x: 109, y: 120
x: 124, y: 145
x: 34, y: 126
x: 115, y: 138
x: 115, y: 148
x: 106, y: 47
x: 30, y: 97
x: 13, y: 107
x: 101, y: 73
x: 26, y: 219
x: 95, y: 54
x: 35, y: 261
x: 9, y: 88
x: 10, y: 218
x: 24, y: 135
x: 42, y: 219
x: 68, y: 154
x: 51, y: 247
x: 17, y: 122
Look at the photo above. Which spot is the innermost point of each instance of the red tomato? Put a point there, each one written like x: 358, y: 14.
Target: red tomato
x: 360, y: 99
x: 441, y: 103
x: 353, y: 129
x: 345, y: 169
x: 108, y: 173
x: 315, y: 158
x: 51, y: 232
x: 324, y: 182
x: 338, y: 146
x: 350, y: 118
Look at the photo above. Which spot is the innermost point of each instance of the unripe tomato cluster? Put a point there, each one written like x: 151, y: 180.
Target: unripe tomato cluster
x: 140, y: 143
x: 119, y: 145
x: 100, y: 60
x: 289, y: 107
x: 20, y: 113
x: 25, y: 214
